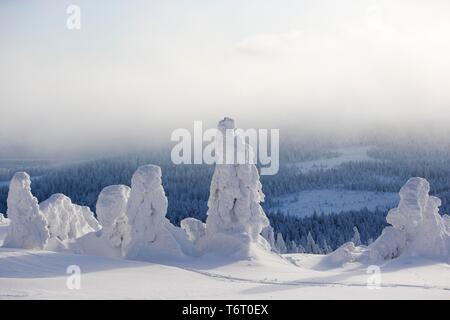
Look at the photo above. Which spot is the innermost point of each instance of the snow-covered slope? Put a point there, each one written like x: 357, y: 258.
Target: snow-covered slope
x: 26, y: 274
x: 226, y: 257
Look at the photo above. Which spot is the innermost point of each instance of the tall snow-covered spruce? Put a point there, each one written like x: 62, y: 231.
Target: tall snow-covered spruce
x: 235, y: 217
x: 28, y: 226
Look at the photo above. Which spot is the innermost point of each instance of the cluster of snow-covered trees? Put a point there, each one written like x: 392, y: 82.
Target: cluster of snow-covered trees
x: 329, y: 231
x: 83, y: 182
x: 133, y: 221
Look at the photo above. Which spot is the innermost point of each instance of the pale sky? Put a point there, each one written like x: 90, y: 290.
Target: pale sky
x: 139, y: 69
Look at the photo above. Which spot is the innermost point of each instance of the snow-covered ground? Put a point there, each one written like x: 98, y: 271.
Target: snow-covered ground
x: 26, y: 274
x: 328, y: 201
x: 346, y: 154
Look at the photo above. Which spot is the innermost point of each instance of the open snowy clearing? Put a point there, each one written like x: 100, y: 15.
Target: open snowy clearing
x: 327, y: 201
x: 346, y: 154
x: 31, y: 274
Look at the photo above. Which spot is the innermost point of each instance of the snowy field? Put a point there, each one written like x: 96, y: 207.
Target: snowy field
x: 327, y: 201
x: 28, y: 274
x: 346, y: 154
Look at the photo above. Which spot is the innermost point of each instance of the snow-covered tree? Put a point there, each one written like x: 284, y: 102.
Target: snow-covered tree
x: 28, y: 226
x: 235, y: 216
x: 67, y: 221
x: 356, y: 239
x: 111, y: 212
x: 269, y: 234
x: 150, y: 233
x: 311, y: 245
x: 300, y: 249
x: 417, y: 227
x: 326, y: 248
x: 280, y: 244
x: 293, y: 248
x: 195, y: 231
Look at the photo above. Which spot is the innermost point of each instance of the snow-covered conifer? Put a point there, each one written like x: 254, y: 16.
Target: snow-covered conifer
x: 67, y: 221
x: 111, y: 212
x: 269, y: 234
x: 150, y: 233
x: 356, y: 239
x: 28, y: 226
x: 280, y: 244
x: 235, y: 216
x: 417, y: 227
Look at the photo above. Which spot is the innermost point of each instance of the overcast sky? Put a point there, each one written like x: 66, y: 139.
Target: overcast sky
x: 138, y: 69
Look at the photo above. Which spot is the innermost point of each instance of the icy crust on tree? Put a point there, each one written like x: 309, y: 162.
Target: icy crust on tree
x: 235, y: 216
x: 28, y: 226
x: 111, y: 209
x: 67, y: 221
x: 417, y: 229
x: 151, y: 235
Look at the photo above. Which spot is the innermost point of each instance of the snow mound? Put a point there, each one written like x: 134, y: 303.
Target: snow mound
x: 111, y: 209
x: 346, y: 253
x: 66, y: 220
x: 28, y: 226
x: 151, y: 235
x: 235, y: 217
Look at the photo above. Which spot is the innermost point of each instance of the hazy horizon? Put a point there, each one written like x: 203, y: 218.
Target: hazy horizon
x: 136, y: 71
